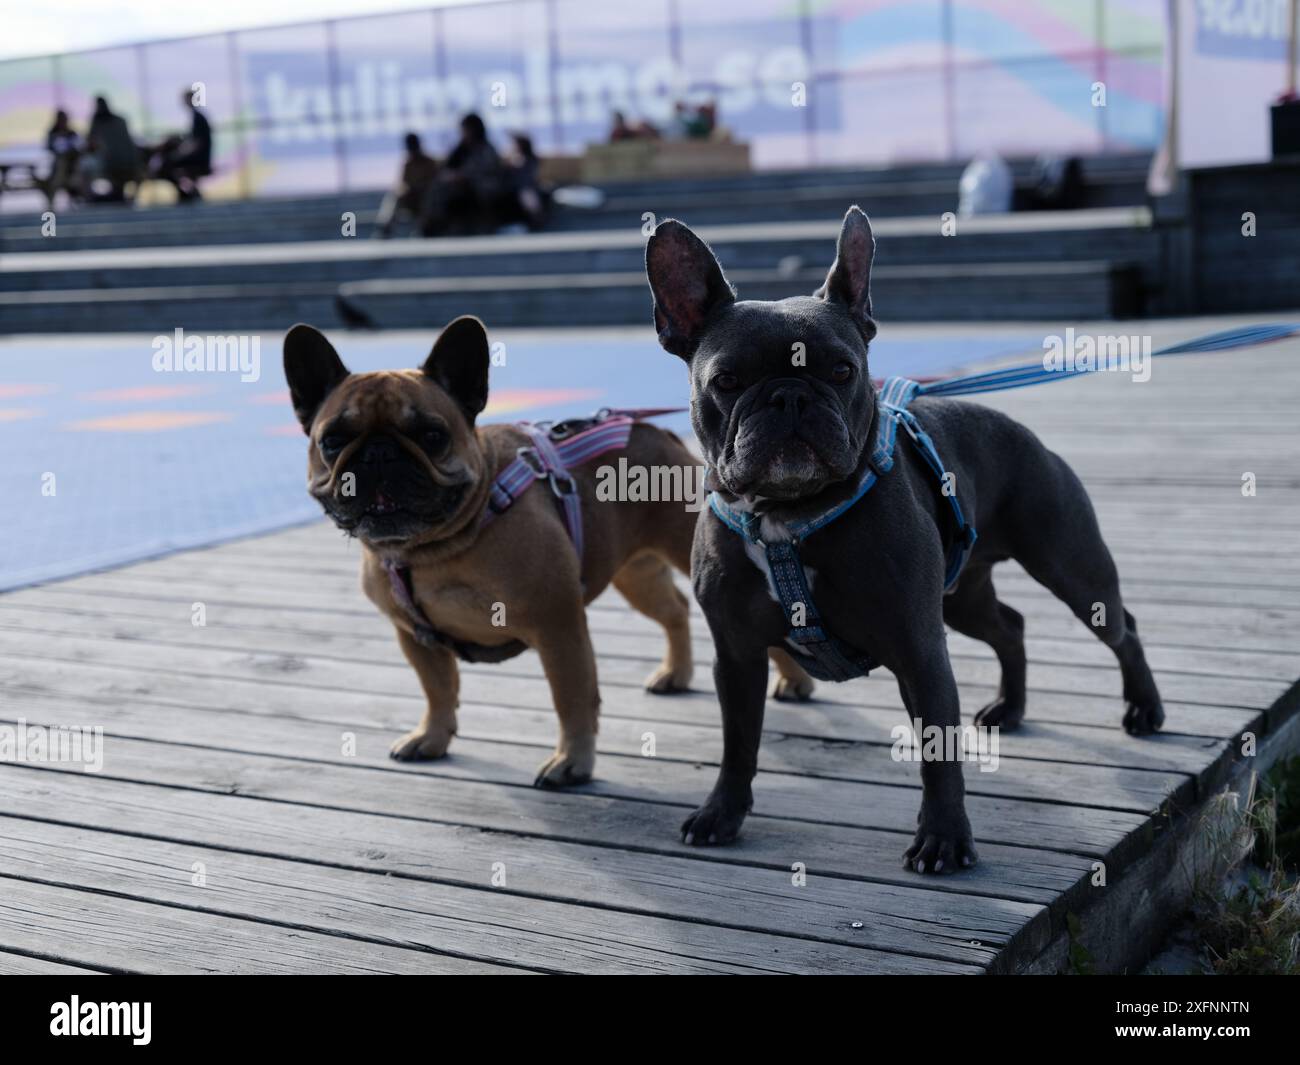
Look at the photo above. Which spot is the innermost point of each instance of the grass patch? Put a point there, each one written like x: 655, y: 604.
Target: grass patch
x: 1248, y: 921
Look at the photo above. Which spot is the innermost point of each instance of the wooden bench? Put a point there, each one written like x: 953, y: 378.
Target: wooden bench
x: 23, y: 183
x: 634, y: 159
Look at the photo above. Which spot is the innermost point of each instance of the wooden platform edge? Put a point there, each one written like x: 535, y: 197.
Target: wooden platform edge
x: 1123, y: 924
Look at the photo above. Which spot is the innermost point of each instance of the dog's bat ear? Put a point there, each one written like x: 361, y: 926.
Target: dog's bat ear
x: 459, y: 364
x: 687, y: 284
x: 849, y: 279
x: 313, y: 369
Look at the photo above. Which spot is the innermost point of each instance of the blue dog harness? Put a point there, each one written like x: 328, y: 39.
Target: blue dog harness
x: 821, y: 653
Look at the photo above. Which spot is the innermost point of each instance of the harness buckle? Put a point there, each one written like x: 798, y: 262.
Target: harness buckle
x: 563, y: 484
x: 529, y: 456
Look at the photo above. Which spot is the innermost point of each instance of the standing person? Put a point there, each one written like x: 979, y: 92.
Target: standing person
x: 64, y: 146
x: 419, y: 172
x: 111, y: 155
x: 182, y: 160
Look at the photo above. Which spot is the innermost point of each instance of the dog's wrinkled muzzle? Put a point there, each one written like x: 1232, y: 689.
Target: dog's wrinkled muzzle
x: 789, y: 440
x: 785, y: 399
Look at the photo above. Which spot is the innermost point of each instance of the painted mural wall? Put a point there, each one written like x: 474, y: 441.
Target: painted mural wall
x: 318, y: 107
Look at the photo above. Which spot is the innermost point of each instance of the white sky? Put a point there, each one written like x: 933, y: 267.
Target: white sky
x: 45, y: 26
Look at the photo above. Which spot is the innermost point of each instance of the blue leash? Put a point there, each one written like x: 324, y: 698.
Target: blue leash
x: 1034, y: 373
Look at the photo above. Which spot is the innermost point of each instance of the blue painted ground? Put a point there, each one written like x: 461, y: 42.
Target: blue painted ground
x: 103, y: 460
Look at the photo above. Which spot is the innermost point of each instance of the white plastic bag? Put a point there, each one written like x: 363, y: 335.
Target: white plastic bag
x: 986, y: 186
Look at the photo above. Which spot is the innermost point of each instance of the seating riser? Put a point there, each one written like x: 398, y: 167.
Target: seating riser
x: 1134, y: 245
x: 1093, y: 292
x: 325, y: 223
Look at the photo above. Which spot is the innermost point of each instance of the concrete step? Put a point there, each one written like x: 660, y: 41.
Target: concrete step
x: 1102, y: 170
x: 1122, y: 233
x: 772, y: 196
x: 976, y: 291
x: 621, y: 212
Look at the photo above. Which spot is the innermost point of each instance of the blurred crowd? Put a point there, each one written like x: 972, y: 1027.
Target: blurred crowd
x: 689, y: 122
x: 105, y: 163
x: 475, y: 189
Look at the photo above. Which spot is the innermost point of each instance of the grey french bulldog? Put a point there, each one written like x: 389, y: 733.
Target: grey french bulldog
x: 790, y: 441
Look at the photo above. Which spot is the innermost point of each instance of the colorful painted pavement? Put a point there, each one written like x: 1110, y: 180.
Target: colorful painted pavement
x: 104, y: 460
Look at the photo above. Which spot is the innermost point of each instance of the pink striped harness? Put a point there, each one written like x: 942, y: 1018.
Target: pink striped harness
x: 555, y: 448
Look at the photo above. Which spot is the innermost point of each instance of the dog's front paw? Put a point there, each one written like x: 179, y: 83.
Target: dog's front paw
x: 940, y: 848
x: 421, y: 745
x: 667, y: 680
x: 1144, y: 717
x: 717, y: 822
x: 572, y: 763
x: 1001, y: 713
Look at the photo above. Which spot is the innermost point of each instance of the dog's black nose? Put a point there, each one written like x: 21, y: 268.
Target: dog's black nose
x: 791, y: 398
x: 379, y: 449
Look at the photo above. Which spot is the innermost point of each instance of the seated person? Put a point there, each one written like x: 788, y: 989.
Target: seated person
x: 696, y: 122
x: 64, y: 146
x: 419, y: 171
x: 622, y: 130
x: 182, y: 160
x: 111, y: 157
x: 464, y: 197
x: 525, y: 200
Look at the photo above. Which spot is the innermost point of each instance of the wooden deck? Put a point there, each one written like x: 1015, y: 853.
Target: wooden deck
x: 228, y: 745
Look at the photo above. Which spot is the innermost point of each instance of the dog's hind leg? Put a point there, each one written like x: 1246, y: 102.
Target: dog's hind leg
x: 972, y: 608
x: 1143, y: 711
x: 791, y: 683
x: 646, y: 581
x: 1068, y: 557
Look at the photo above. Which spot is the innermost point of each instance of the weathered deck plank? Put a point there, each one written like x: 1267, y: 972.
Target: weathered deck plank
x: 557, y: 910
x: 134, y: 935
x: 225, y: 746
x: 386, y: 913
x: 1139, y: 789
x: 26, y: 965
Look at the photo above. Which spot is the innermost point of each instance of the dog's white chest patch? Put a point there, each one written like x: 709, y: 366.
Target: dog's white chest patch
x: 771, y: 531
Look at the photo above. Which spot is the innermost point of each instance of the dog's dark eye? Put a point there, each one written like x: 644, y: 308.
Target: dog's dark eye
x: 842, y: 372
x: 726, y: 382
x: 433, y: 438
x: 331, y: 444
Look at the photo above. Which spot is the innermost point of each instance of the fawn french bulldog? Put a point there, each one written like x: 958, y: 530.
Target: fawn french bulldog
x: 397, y: 460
